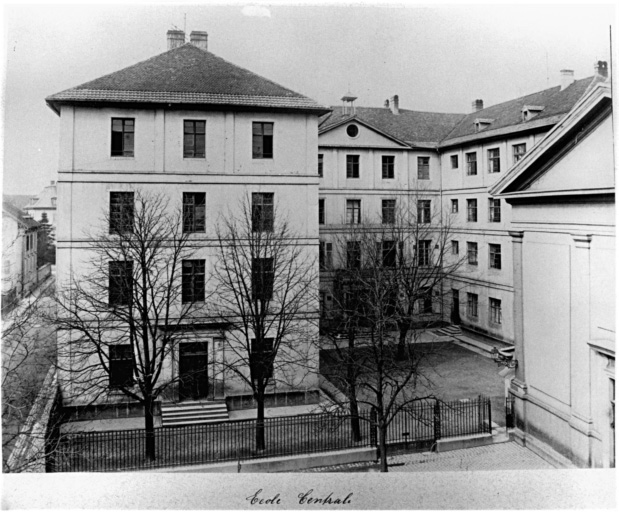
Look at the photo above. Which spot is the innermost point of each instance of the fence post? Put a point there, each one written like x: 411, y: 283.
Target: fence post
x: 373, y: 421
x: 437, y: 421
x: 489, y: 405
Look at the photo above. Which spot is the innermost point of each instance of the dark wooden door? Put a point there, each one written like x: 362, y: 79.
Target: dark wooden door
x: 193, y: 370
x: 455, y: 307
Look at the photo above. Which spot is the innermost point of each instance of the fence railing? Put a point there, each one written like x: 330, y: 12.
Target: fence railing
x: 292, y: 435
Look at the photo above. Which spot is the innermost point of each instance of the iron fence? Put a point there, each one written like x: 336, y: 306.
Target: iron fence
x: 236, y: 440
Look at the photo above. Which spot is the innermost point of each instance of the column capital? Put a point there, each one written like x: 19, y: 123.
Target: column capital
x: 517, y: 236
x: 582, y: 241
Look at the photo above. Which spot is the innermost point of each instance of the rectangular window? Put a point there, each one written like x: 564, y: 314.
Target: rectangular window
x: 388, y: 253
x: 320, y: 164
x: 263, y: 276
x: 123, y: 132
x: 454, y: 161
x: 121, y: 212
x: 388, y: 211
x: 352, y: 166
x: 471, y: 164
x: 424, y: 211
x: 519, y: 151
x: 194, y: 212
x: 455, y: 247
x: 425, y: 253
x: 423, y: 167
x: 454, y: 206
x: 353, y: 255
x: 472, y: 300
x: 494, y: 160
x: 471, y: 210
x: 425, y: 301
x: 325, y: 255
x: 471, y: 252
x: 495, y: 311
x: 262, y: 214
x: 494, y: 210
x: 193, y: 281
x: 261, y: 361
x: 353, y: 211
x: 388, y: 167
x: 495, y: 255
x: 120, y: 285
x: 321, y: 211
x: 121, y: 366
x: 194, y: 139
x: 262, y: 140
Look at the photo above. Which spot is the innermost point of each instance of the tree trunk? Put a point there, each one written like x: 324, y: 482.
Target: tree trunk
x: 354, y: 416
x: 403, y: 329
x: 149, y: 424
x: 382, y: 443
x: 260, y: 444
x: 352, y: 389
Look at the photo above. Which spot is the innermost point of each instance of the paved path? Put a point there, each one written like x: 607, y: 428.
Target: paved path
x: 501, y: 456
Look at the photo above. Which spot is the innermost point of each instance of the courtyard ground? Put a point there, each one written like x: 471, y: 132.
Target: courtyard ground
x: 452, y: 372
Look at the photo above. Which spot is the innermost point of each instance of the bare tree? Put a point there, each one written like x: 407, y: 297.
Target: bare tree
x: 266, y: 284
x: 126, y: 309
x: 389, y: 287
x: 28, y: 357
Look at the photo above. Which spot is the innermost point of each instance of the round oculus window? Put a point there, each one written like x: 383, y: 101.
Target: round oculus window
x: 352, y: 130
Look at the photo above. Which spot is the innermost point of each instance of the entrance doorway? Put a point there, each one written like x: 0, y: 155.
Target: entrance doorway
x: 193, y: 370
x: 455, y: 306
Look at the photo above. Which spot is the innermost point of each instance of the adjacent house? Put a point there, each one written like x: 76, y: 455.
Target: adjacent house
x: 45, y: 206
x: 562, y: 232
x: 206, y: 134
x: 19, y: 253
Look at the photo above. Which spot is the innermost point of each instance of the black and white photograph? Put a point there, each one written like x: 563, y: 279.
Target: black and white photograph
x: 255, y: 255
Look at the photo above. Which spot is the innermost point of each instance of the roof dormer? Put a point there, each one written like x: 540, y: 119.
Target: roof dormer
x: 530, y: 111
x: 482, y: 124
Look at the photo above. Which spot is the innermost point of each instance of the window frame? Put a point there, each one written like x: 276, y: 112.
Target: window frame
x: 321, y: 163
x: 424, y: 253
x: 516, y: 154
x: 259, y: 356
x: 121, y: 212
x: 454, y: 161
x: 454, y: 206
x: 388, y: 167
x: 388, y: 210
x: 423, y: 168
x: 353, y: 254
x: 472, y: 253
x: 193, y: 283
x: 262, y: 212
x: 194, y: 135
x: 121, y: 367
x: 352, y: 206
x: 353, y: 167
x: 455, y: 247
x: 472, y: 305
x: 494, y: 210
x: 471, y: 163
x: 321, y: 211
x: 494, y: 256
x: 424, y: 211
x: 325, y: 255
x: 494, y: 160
x: 191, y: 212
x: 495, y: 313
x: 121, y: 152
x: 471, y: 210
x: 120, y: 283
x: 263, y: 142
x: 262, y: 279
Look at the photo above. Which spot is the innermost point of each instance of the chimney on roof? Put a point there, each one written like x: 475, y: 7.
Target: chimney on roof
x: 477, y: 105
x: 601, y: 68
x: 176, y: 38
x: 567, y: 78
x: 199, y: 39
x: 394, y: 104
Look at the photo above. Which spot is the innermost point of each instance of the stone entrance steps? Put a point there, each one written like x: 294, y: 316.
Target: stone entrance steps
x: 450, y: 330
x: 193, y: 413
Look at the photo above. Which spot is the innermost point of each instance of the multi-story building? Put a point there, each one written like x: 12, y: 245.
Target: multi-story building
x: 371, y: 156
x: 562, y: 198
x: 19, y: 253
x: 201, y: 131
x: 45, y: 206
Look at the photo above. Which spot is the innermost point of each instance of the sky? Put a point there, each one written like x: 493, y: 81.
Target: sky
x: 435, y: 58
